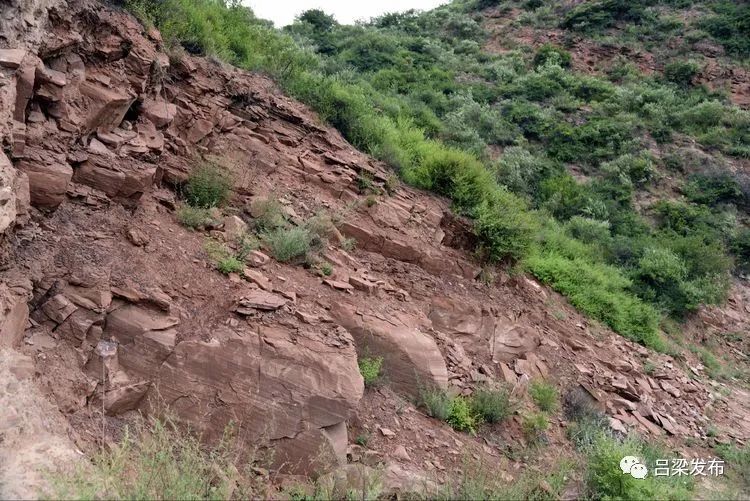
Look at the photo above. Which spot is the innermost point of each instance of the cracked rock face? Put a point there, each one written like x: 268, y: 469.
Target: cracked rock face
x: 293, y: 392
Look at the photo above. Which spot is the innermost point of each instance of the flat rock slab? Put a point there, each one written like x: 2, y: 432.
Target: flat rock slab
x: 259, y: 300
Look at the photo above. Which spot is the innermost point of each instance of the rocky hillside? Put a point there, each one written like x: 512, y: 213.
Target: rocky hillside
x: 181, y: 239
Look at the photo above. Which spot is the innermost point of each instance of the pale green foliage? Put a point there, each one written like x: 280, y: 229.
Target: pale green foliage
x: 157, y: 460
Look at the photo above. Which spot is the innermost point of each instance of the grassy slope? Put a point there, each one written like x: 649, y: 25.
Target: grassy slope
x: 416, y: 91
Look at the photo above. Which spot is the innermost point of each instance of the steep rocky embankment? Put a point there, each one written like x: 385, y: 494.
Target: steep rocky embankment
x: 109, y: 305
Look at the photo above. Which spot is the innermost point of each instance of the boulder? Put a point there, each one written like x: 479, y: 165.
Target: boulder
x: 510, y: 341
x: 91, y: 173
x: 130, y: 321
x: 107, y: 107
x: 8, y: 205
x: 292, y: 391
x: 25, y: 75
x: 11, y: 58
x: 146, y: 337
x: 258, y: 299
x: 234, y: 228
x: 457, y: 318
x: 411, y: 358
x: 158, y: 111
x: 48, y: 180
x: 464, y: 322
x: 138, y: 180
x: 58, y: 308
x: 124, y: 398
x: 23, y: 197
x: 14, y: 314
x: 200, y: 129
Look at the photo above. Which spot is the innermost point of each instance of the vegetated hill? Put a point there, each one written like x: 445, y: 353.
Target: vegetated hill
x: 182, y: 239
x: 627, y: 192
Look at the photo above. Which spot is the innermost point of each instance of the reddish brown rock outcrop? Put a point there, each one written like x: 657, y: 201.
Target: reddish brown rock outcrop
x: 292, y: 391
x: 411, y: 358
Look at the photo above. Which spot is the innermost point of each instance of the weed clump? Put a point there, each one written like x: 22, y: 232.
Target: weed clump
x: 492, y: 406
x: 287, y: 244
x: 544, y: 395
x: 157, y: 460
x: 208, y: 186
x: 193, y: 217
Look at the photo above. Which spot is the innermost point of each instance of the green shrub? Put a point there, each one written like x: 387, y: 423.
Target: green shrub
x: 436, y: 401
x: 208, y: 186
x: 600, y: 291
x: 544, y: 395
x: 268, y: 214
x: 461, y: 417
x: 229, y: 264
x: 287, y: 244
x: 635, y: 169
x: 596, y: 16
x: 741, y: 248
x: 548, y: 53
x: 224, y: 260
x: 738, y: 462
x: 605, y: 479
x: 730, y: 26
x: 715, y: 188
x: 522, y: 172
x: 370, y: 368
x: 534, y: 425
x: 457, y: 411
x: 194, y: 218
x: 588, y: 230
x: 326, y: 269
x: 681, y: 73
x: 492, y: 406
x: 505, y: 226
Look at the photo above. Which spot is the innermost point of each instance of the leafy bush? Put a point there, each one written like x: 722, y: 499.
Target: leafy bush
x: 596, y: 16
x: 457, y: 411
x: 461, y: 416
x: 605, y: 479
x: 287, y: 244
x: 600, y: 291
x: 230, y: 264
x: 548, y: 53
x: 224, y: 260
x: 208, y: 186
x: 194, y: 218
x: 741, y: 248
x: 715, y: 188
x: 544, y: 395
x: 504, y: 226
x: 492, y: 406
x: 522, y: 172
x: 730, y: 26
x: 681, y: 73
x: 370, y: 367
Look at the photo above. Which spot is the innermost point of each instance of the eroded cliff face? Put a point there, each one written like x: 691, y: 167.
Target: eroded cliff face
x: 120, y: 309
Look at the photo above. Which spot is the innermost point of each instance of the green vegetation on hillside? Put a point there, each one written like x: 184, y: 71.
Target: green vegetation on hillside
x: 502, y: 135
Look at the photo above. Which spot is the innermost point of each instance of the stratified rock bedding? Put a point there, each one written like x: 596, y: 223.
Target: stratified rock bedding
x: 122, y: 309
